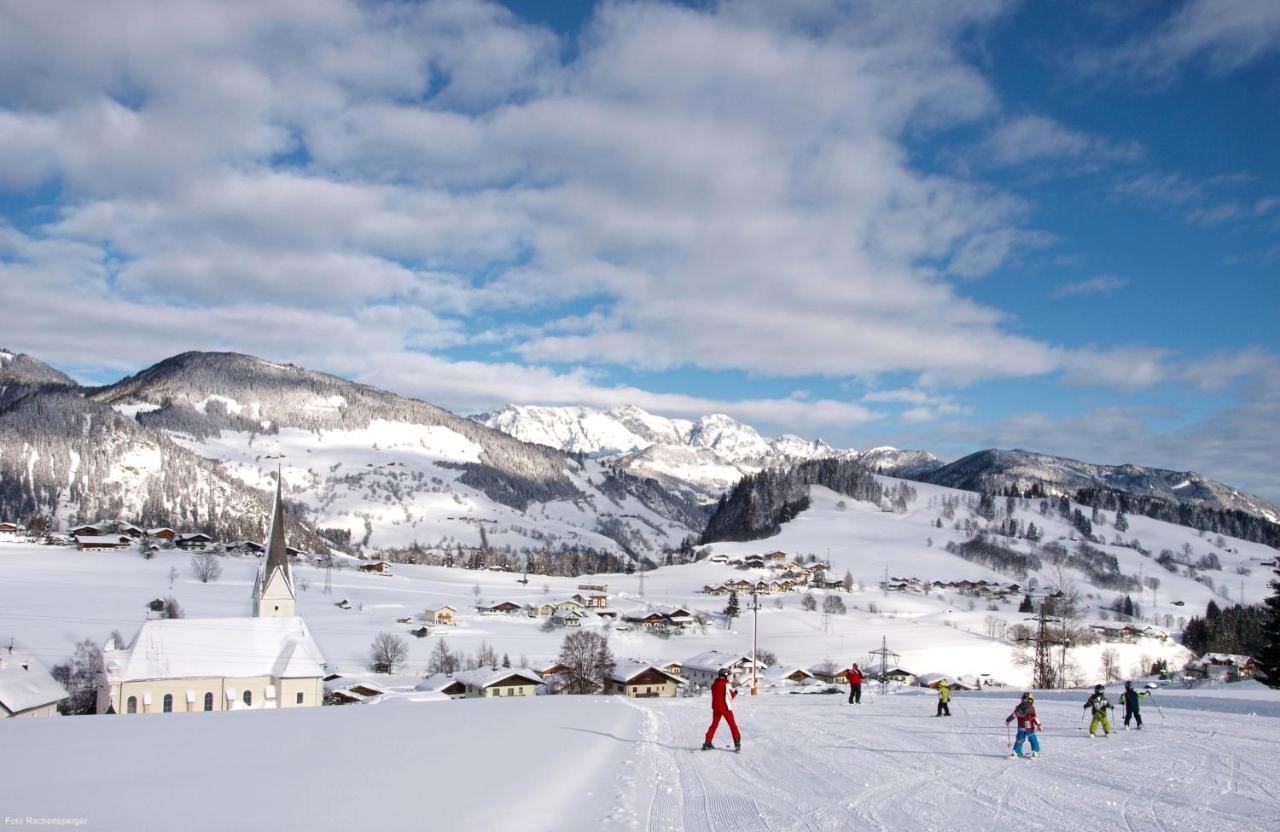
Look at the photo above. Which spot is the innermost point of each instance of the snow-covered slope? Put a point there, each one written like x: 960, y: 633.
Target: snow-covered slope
x: 997, y: 470
x: 22, y: 374
x: 390, y: 472
x: 702, y: 458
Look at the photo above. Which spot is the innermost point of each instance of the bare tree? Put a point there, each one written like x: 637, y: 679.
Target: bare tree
x: 172, y: 609
x: 1110, y: 664
x: 996, y: 626
x: 387, y: 652
x: 588, y: 659
x: 79, y: 675
x: 808, y: 602
x: 442, y: 659
x: 173, y: 575
x: 206, y: 567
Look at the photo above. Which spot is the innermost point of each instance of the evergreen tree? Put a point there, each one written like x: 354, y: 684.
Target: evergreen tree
x: 1026, y: 605
x: 1268, y: 657
x: 1122, y: 522
x: 731, y: 610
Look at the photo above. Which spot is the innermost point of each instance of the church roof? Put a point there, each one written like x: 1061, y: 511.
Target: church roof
x: 277, y: 551
x: 184, y: 648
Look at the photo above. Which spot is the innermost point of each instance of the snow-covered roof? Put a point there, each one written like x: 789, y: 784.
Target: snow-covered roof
x: 1225, y: 658
x: 26, y: 684
x: 102, y: 539
x: 186, y: 648
x: 714, y: 660
x: 484, y: 677
x: 438, y: 682
x: 624, y: 670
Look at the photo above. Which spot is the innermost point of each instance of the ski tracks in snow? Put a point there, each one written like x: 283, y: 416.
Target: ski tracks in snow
x: 812, y: 765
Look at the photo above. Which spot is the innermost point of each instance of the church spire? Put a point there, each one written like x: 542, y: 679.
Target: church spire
x: 273, y: 591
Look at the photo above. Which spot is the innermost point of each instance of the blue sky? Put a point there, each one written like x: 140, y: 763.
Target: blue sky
x: 948, y: 225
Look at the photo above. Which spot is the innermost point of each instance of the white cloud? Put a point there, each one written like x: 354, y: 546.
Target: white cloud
x: 1032, y: 138
x: 1101, y: 285
x: 1223, y: 35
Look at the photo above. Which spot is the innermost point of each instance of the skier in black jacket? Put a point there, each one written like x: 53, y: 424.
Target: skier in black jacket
x: 1130, y: 701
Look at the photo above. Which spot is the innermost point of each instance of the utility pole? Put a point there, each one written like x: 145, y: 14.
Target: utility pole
x: 884, y: 653
x: 755, y: 631
x: 642, y: 580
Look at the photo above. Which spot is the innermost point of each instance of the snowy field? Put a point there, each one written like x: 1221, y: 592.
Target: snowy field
x: 809, y: 762
x: 52, y: 597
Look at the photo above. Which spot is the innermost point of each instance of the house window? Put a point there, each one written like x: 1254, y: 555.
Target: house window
x: 132, y: 705
x: 299, y: 697
x: 208, y: 701
x: 168, y: 703
x: 248, y: 697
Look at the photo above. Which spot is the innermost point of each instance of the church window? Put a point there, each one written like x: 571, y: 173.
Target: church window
x: 208, y: 701
x: 168, y: 703
x: 132, y: 705
x: 248, y: 697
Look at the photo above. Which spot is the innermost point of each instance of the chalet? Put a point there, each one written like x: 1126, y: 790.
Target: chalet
x: 648, y: 619
x: 776, y: 557
x: 718, y: 558
x: 640, y: 680
x: 715, y: 590
x: 162, y: 533
x: 100, y: 542
x: 129, y: 529
x: 501, y: 608
x: 551, y: 668
x: 9, y: 529
x: 91, y: 529
x: 26, y: 688
x: 195, y: 542
x: 897, y: 674
x: 1227, y: 666
x: 377, y: 567
x: 421, y: 632
x: 741, y: 585
x: 440, y: 615
x: 674, y: 668
x: 796, y: 674
x: 568, y: 617
x: 268, y: 660
x: 829, y: 673
x: 570, y: 604
x: 703, y: 668
x: 444, y: 684
x: 246, y: 547
x: 504, y: 681
x: 543, y: 610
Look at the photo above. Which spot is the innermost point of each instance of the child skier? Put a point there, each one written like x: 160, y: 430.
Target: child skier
x: 1100, y: 705
x: 722, y: 707
x: 944, y: 699
x: 1130, y: 701
x: 1028, y: 724
x: 855, y: 685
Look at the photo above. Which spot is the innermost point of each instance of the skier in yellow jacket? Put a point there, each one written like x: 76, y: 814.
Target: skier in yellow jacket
x: 1100, y: 705
x: 944, y: 697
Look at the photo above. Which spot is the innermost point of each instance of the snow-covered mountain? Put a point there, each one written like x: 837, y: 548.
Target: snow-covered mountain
x: 21, y: 374
x: 997, y: 470
x: 387, y: 472
x: 702, y: 458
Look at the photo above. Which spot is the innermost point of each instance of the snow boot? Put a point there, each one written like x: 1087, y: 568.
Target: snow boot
x: 706, y: 745
x: 737, y: 745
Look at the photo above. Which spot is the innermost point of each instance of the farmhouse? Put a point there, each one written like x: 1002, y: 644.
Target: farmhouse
x: 195, y: 542
x: 7, y: 528
x: 485, y: 683
x: 440, y: 615
x: 501, y: 608
x: 702, y: 668
x: 641, y: 681
x: 26, y: 688
x: 377, y: 567
x: 100, y: 542
x: 444, y: 684
x: 162, y: 533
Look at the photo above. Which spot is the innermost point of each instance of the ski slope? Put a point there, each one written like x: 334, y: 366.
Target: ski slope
x: 810, y: 762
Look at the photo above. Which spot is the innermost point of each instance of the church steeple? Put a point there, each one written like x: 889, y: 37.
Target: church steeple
x: 273, y: 590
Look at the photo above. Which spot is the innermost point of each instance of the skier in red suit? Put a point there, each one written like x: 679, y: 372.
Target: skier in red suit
x: 722, y: 706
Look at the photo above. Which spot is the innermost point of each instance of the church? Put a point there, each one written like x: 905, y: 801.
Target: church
x: 267, y: 659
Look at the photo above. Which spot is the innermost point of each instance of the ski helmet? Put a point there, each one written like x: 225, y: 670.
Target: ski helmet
x: 1128, y: 685
x: 1028, y: 697
x: 723, y: 673
x: 1097, y: 688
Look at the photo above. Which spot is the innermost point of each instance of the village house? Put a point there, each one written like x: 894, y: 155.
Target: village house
x: 703, y: 668
x: 194, y: 542
x: 718, y: 558
x: 504, y: 681
x: 829, y: 673
x: 444, y: 684
x: 501, y: 608
x: 420, y: 632
x: 129, y: 529
x: 715, y: 590
x: 8, y: 529
x: 162, y: 533
x: 1227, y: 667
x: 641, y: 680
x: 568, y: 617
x: 26, y: 688
x: 102, y: 542
x: 444, y: 614
x: 796, y: 674
x: 377, y: 567
x: 268, y: 660
x: 776, y: 557
x: 92, y: 529
x: 674, y: 668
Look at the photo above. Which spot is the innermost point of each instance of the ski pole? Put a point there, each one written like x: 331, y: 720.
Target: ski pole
x: 1157, y: 704
x: 1081, y: 725
x: 1008, y: 735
